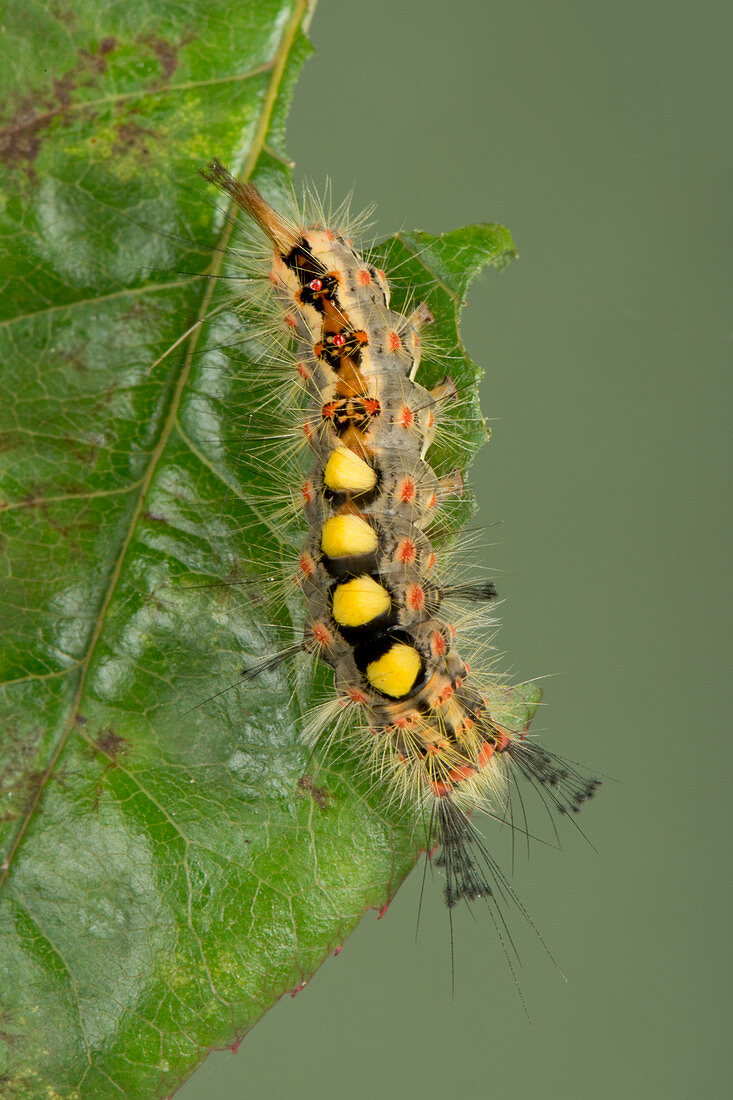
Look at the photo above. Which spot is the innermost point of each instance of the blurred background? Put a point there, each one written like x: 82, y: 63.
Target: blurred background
x: 597, y: 134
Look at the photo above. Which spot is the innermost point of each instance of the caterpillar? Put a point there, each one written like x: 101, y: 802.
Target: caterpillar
x: 368, y: 570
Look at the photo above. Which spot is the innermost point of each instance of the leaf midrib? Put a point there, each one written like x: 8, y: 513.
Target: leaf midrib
x: 277, y: 67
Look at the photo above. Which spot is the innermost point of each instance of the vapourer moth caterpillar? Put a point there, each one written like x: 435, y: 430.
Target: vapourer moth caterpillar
x: 382, y: 609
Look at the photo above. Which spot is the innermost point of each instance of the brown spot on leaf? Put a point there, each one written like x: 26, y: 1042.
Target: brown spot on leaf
x: 63, y: 14
x: 20, y: 141
x: 166, y: 52
x: 85, y: 451
x: 131, y: 138
x: 110, y: 744
x: 62, y: 89
x: 321, y: 795
x: 21, y: 135
x: 95, y: 62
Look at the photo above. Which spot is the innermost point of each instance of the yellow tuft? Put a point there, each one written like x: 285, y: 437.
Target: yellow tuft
x: 348, y: 534
x: 359, y: 601
x: 345, y: 472
x: 395, y: 671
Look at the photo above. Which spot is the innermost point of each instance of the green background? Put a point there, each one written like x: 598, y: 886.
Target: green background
x: 599, y: 135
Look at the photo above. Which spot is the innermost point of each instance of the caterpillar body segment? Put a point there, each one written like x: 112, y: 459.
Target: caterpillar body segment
x: 368, y: 571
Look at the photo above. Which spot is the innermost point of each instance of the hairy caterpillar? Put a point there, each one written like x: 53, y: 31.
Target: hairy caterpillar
x: 374, y: 590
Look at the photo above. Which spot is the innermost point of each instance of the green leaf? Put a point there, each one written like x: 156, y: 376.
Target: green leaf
x: 166, y: 877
